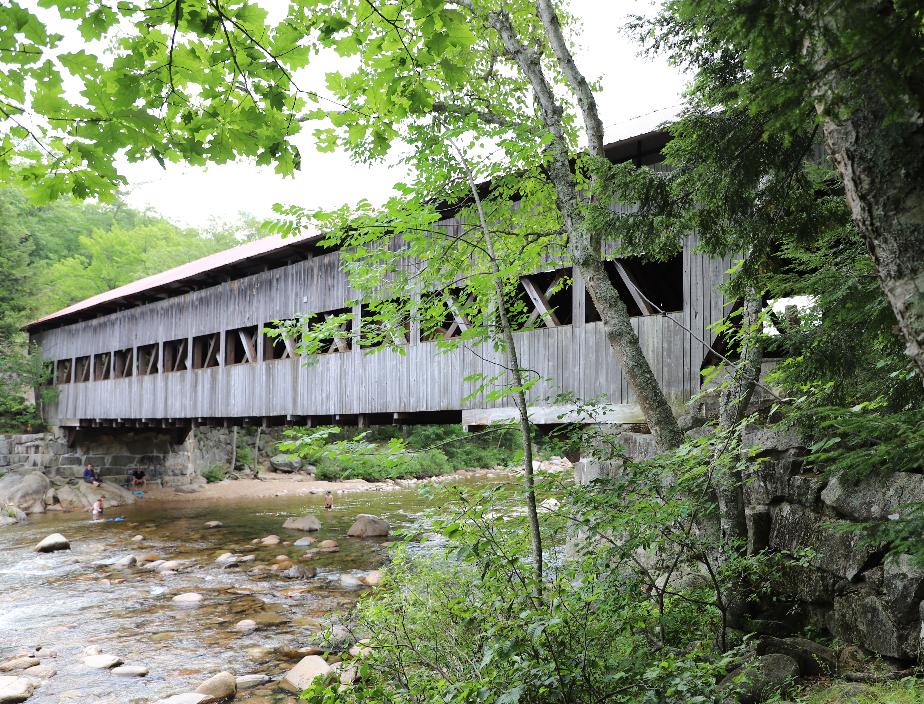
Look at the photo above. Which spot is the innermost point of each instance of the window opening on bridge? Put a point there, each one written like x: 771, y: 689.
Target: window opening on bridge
x: 123, y: 363
x: 82, y: 369
x: 336, y: 333
x: 147, y: 359
x: 282, y: 346
x: 175, y: 355
x: 241, y: 345
x: 101, y: 367
x: 386, y: 321
x: 644, y: 286
x: 63, y: 371
x: 444, y: 315
x: 548, y: 298
x: 205, y: 351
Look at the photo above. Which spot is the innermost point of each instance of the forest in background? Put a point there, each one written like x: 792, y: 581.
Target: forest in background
x: 55, y: 254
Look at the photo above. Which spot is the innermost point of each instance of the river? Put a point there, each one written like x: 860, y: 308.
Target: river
x: 63, y: 602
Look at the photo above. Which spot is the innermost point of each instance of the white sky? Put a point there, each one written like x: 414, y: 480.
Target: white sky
x: 637, y: 94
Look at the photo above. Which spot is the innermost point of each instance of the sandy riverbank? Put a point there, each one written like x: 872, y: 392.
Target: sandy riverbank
x: 270, y: 485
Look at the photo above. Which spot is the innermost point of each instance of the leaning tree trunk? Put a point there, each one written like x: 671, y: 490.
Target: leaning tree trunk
x: 586, y: 247
x: 882, y: 165
x: 729, y: 484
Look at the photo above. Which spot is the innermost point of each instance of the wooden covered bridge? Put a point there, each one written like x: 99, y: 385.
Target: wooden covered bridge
x: 187, y: 346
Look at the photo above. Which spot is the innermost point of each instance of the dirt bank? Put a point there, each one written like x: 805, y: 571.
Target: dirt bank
x: 270, y: 485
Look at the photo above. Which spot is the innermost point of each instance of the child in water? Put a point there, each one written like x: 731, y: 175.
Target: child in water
x: 329, y: 500
x: 97, y: 509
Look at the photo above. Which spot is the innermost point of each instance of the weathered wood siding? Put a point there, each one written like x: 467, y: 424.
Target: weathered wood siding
x: 572, y: 358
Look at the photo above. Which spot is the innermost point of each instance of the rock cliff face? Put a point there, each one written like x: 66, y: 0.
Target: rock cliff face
x: 840, y: 583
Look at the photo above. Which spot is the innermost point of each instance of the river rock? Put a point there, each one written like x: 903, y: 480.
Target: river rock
x: 350, y: 582
x: 219, y: 687
x: 103, y: 661
x: 10, y: 515
x: 187, y: 599
x: 24, y: 490
x: 147, y: 557
x: 171, y: 566
x: 186, y: 698
x: 303, y: 542
x: 20, y: 663
x: 92, y: 650
x: 137, y: 538
x: 368, y: 526
x: 130, y: 671
x: 372, y: 579
x: 42, y: 672
x: 285, y: 463
x: 125, y: 562
x: 305, y: 523
x: 15, y: 689
x: 761, y: 678
x: 270, y: 540
x: 52, y: 543
x: 213, y: 524
x: 299, y: 572
x: 248, y: 681
x: 305, y: 672
x: 247, y: 625
x: 327, y: 544
x: 80, y: 496
x: 151, y: 566
x: 349, y: 675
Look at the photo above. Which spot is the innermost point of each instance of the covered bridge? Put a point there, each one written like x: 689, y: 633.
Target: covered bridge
x: 187, y: 346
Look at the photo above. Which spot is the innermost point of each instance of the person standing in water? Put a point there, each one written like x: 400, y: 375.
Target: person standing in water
x: 329, y: 500
x: 97, y: 509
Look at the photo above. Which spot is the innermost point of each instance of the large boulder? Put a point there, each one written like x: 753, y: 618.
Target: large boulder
x: 861, y: 616
x: 834, y: 550
x: 305, y: 523
x: 285, y: 463
x: 219, y: 687
x: 53, y: 543
x: 80, y: 496
x: 762, y: 678
x: 15, y: 689
x: 24, y: 490
x: 11, y: 515
x: 874, y: 498
x: 368, y: 526
x: 813, y: 658
x: 305, y: 672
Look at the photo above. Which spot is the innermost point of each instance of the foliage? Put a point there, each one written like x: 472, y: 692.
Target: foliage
x: 214, y: 473
x: 905, y: 691
x: 25, y: 389
x: 463, y: 450
x: 466, y: 626
x: 339, y: 455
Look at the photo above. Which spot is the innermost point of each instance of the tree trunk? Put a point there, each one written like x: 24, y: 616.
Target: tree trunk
x: 729, y: 485
x: 513, y: 367
x: 882, y: 165
x: 233, y: 449
x: 256, y: 453
x: 585, y: 248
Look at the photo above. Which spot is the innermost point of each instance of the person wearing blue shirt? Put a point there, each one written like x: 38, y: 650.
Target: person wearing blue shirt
x: 90, y: 476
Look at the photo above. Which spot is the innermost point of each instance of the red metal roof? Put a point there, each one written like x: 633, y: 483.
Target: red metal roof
x: 194, y: 268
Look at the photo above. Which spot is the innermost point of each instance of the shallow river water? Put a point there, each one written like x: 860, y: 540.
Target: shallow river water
x: 68, y: 600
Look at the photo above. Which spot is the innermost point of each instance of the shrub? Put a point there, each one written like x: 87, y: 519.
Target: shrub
x: 467, y: 625
x: 376, y: 466
x: 215, y: 473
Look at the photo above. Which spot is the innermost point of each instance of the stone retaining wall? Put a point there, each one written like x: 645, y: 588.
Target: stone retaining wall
x: 841, y: 584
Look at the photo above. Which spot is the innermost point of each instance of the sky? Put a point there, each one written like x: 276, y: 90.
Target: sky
x: 637, y: 93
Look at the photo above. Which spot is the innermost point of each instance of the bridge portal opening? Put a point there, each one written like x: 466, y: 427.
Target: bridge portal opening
x: 205, y: 351
x: 281, y: 346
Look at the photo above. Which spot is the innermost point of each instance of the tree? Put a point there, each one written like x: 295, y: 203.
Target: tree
x: 854, y: 69
x: 210, y: 80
